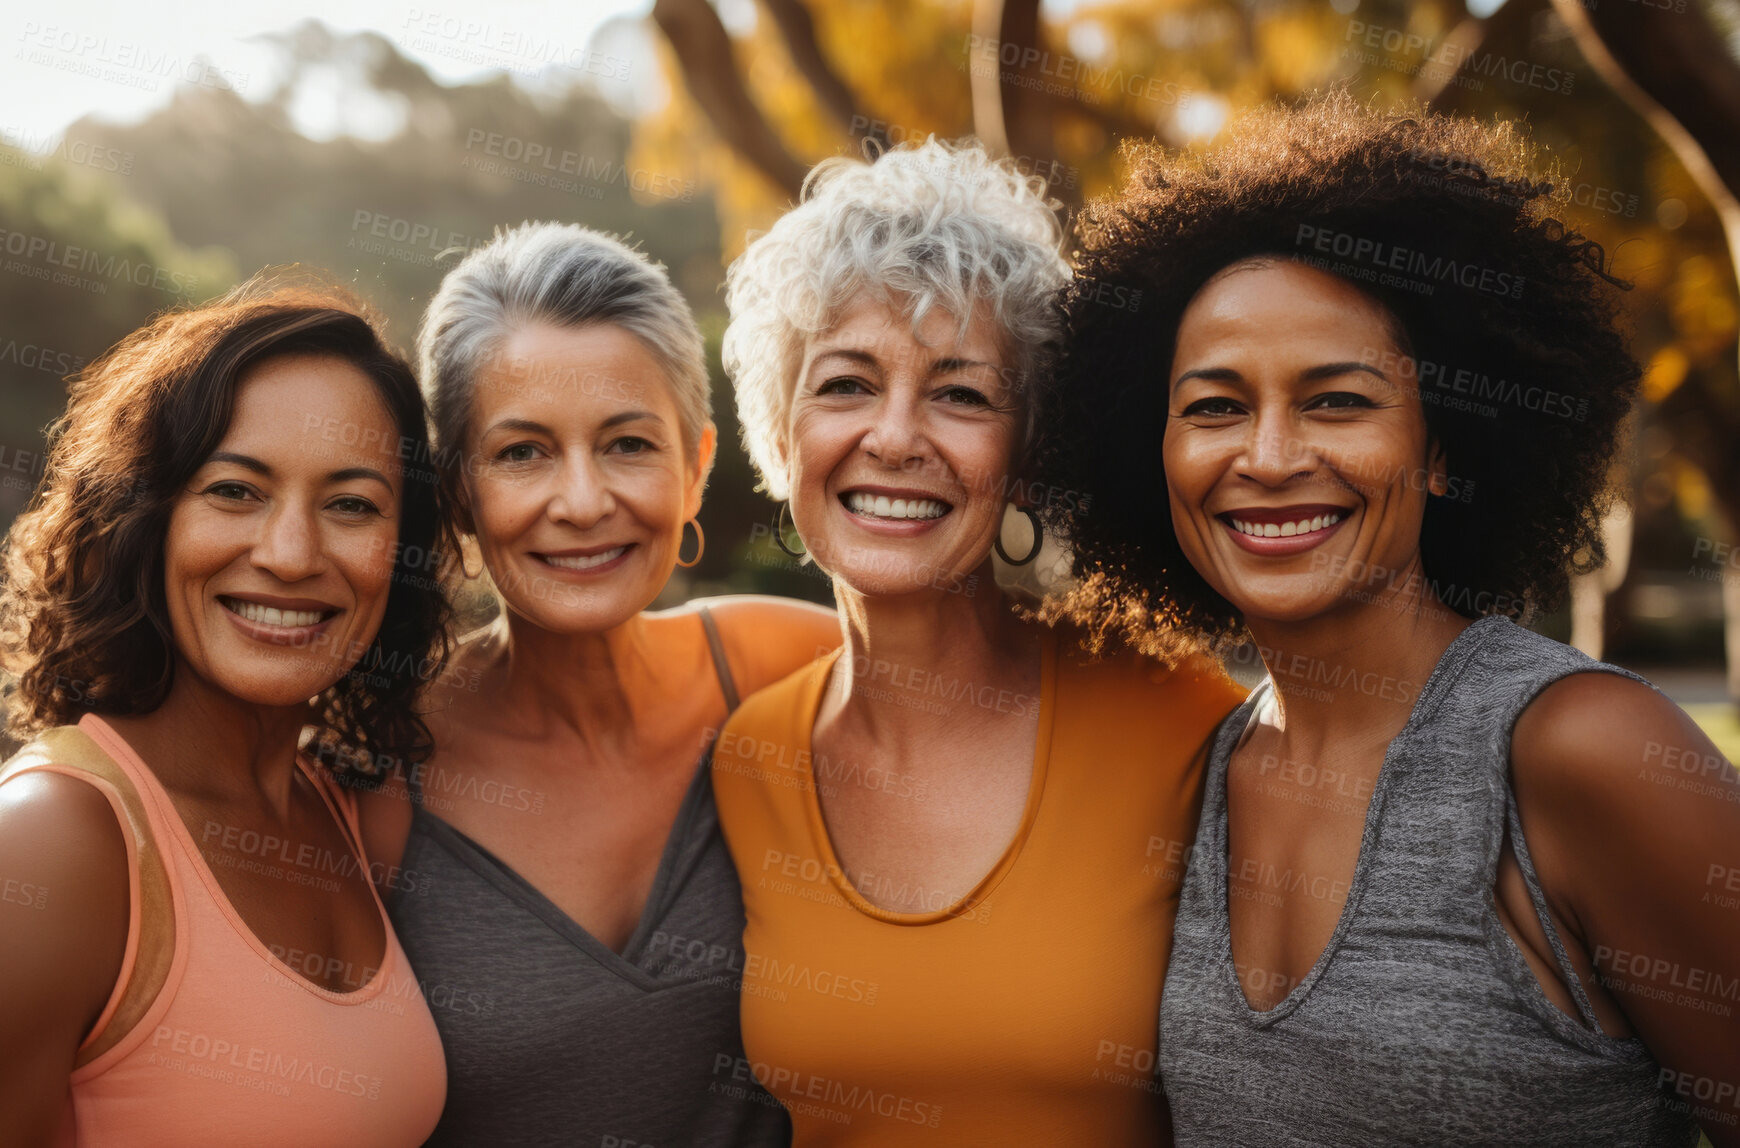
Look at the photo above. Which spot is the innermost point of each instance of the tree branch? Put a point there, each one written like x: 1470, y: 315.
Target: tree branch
x: 1674, y: 69
x: 798, y: 29
x: 703, y: 49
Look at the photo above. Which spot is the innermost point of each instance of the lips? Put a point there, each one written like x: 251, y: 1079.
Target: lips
x: 1281, y: 531
x: 279, y: 621
x: 895, y: 506
x: 587, y: 561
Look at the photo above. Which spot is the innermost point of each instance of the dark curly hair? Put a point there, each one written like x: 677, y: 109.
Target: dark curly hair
x: 84, y: 621
x: 1511, y: 319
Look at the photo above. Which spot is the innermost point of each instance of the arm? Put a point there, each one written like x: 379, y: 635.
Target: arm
x: 1633, y: 820
x: 767, y: 638
x: 63, y: 933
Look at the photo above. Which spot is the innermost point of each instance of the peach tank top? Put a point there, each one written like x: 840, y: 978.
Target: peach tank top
x: 238, y: 1047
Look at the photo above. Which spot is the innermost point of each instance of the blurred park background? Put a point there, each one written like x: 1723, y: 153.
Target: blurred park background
x: 153, y: 159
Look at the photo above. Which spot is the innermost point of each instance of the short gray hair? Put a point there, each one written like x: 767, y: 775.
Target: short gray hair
x: 568, y: 276
x: 934, y: 225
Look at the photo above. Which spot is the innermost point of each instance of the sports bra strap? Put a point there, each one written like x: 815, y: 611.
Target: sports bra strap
x: 721, y: 665
x: 150, y: 952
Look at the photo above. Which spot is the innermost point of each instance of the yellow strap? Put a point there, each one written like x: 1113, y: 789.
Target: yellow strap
x: 69, y: 747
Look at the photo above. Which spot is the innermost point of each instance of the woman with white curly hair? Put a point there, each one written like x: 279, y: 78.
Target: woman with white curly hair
x: 960, y: 838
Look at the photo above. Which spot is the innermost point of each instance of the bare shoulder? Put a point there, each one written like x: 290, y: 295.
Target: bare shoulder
x: 64, y: 895
x: 1595, y: 735
x: 59, y: 827
x: 767, y: 638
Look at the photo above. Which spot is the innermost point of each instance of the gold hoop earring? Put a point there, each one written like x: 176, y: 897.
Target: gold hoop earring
x: 700, y: 545
x: 469, y: 576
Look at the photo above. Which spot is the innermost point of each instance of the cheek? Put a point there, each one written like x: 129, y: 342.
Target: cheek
x: 1187, y: 469
x: 502, y: 507
x: 368, y: 558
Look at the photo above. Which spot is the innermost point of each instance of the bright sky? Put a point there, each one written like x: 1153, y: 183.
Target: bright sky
x: 120, y: 59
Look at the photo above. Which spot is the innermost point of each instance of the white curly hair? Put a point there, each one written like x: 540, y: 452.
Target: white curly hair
x: 926, y: 225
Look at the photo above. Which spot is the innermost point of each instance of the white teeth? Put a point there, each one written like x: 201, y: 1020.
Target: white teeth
x: 271, y: 615
x: 1286, y: 529
x: 884, y: 507
x: 585, y: 562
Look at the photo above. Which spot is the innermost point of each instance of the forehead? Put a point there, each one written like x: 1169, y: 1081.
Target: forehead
x: 886, y: 329
x: 315, y: 410
x: 1282, y: 304
x: 550, y: 369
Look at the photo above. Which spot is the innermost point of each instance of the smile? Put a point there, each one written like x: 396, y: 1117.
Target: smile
x: 1285, y: 529
x: 1282, y: 531
x: 585, y: 561
x: 261, y: 615
x: 881, y: 506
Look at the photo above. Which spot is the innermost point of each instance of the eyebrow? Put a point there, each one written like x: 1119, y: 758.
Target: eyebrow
x: 1310, y: 374
x: 533, y: 427
x: 937, y: 366
x: 621, y: 417
x: 864, y: 357
x: 1330, y: 370
x: 248, y: 462
x: 942, y: 366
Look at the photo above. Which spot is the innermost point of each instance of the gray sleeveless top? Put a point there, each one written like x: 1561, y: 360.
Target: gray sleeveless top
x: 554, y: 1039
x: 1421, y: 1022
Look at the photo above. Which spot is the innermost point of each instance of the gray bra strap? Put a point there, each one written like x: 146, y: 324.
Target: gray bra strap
x: 722, y: 667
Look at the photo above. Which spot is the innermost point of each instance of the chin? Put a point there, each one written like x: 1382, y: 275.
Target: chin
x: 590, y: 614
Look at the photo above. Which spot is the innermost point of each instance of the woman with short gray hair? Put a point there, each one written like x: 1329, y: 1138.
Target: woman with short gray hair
x: 557, y: 874
x: 960, y: 838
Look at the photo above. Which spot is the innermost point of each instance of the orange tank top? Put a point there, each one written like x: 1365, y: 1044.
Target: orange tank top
x: 238, y: 1047
x: 1026, y: 1012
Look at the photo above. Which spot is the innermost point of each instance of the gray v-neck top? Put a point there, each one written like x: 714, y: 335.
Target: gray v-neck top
x: 1421, y: 1023
x: 551, y: 1037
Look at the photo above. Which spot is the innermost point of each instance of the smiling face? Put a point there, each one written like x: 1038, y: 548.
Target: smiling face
x: 900, y: 447
x: 1297, y: 471
x: 577, y: 482
x: 280, y: 550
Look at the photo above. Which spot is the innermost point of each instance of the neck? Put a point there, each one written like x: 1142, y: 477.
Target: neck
x: 1351, y: 675
x: 577, y: 683
x: 900, y: 644
x: 210, y: 744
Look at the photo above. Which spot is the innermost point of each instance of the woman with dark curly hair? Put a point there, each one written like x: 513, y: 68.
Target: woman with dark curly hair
x: 232, y: 523
x: 1453, y: 880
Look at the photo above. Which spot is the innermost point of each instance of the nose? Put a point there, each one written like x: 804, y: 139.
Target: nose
x: 896, y: 436
x: 289, y: 544
x: 1274, y: 452
x: 582, y: 497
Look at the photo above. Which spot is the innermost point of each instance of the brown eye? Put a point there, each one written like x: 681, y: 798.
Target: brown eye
x: 1339, y: 400
x: 1219, y: 405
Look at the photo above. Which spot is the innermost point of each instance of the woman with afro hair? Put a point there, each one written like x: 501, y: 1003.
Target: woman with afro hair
x: 1454, y: 882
